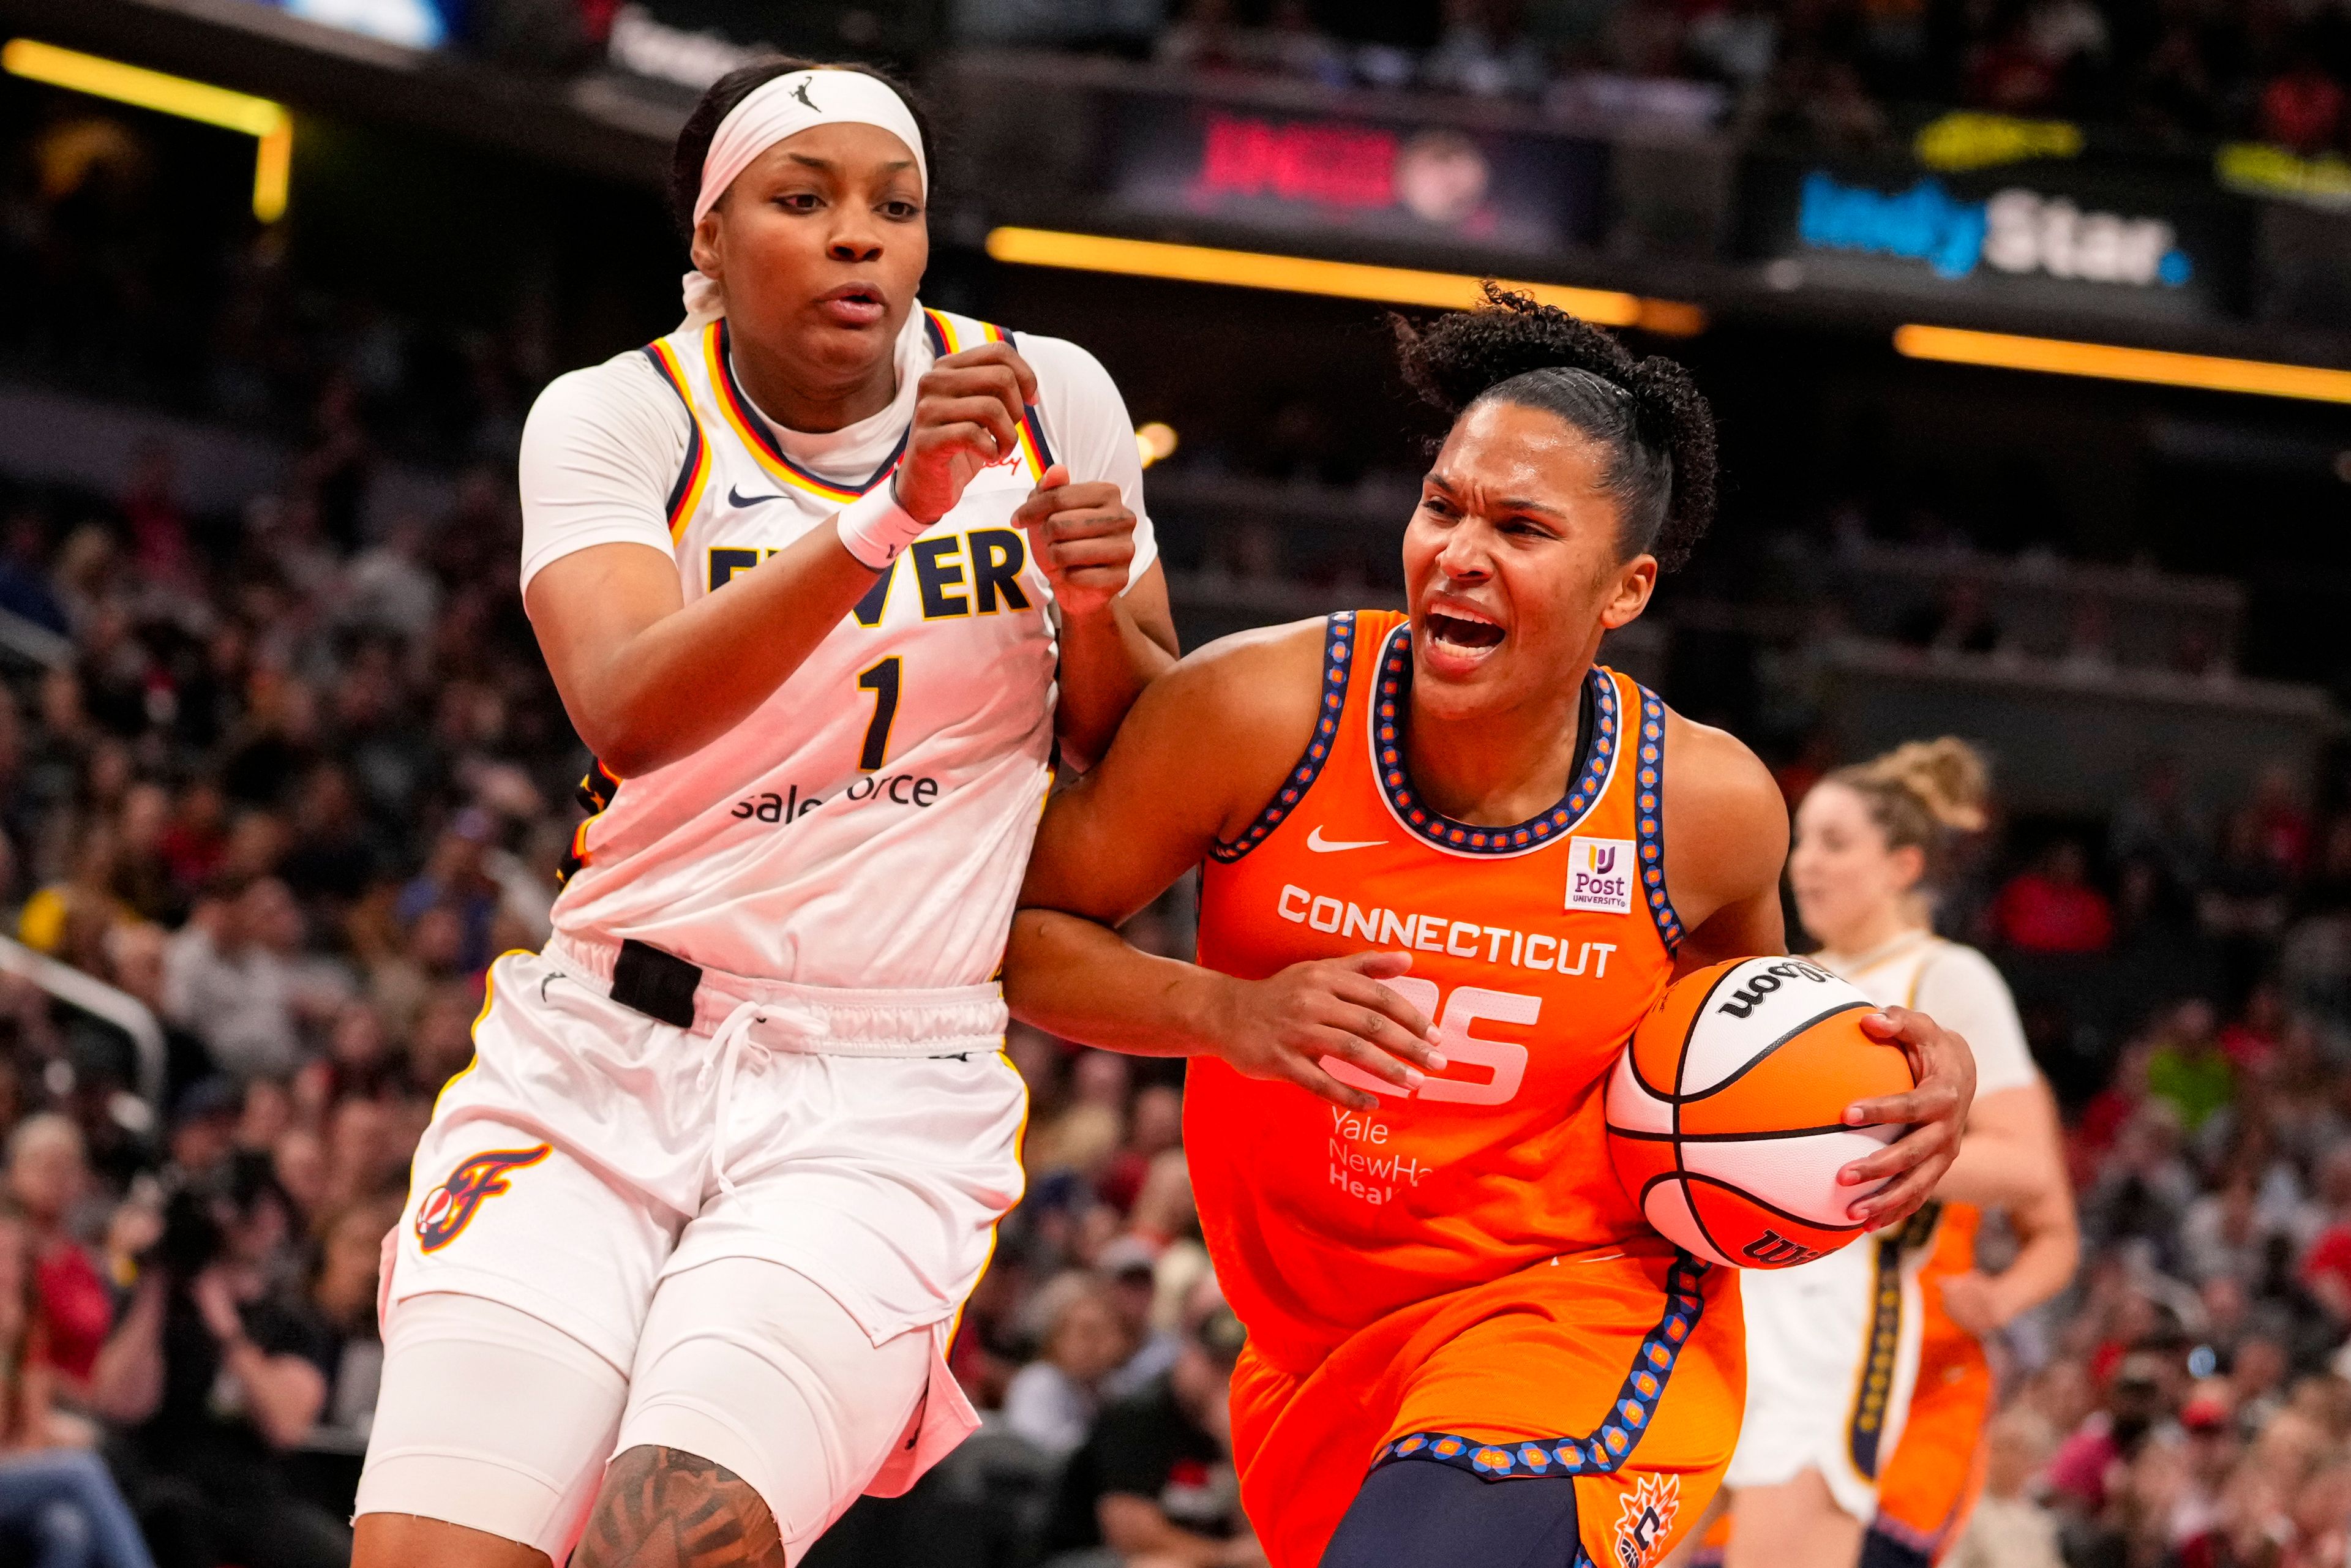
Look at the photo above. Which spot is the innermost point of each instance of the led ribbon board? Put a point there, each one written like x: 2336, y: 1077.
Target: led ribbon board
x: 2109, y: 361
x: 1308, y: 275
x: 267, y: 122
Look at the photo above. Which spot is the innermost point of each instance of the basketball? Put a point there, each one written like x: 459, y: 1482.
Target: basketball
x: 1725, y: 1115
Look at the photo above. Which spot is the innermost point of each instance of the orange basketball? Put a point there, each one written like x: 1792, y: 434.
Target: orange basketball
x: 1725, y: 1115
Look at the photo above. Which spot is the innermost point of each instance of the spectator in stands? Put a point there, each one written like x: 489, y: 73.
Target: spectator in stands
x: 24, y: 590
x: 343, y: 1293
x: 1153, y: 1481
x: 48, y: 1179
x: 455, y: 882
x: 1155, y: 1126
x: 2009, y: 1529
x: 239, y: 977
x: 2188, y: 1067
x: 58, y: 1507
x: 1052, y: 1400
x: 225, y: 1369
x: 2050, y: 907
x: 2225, y: 1236
x: 1129, y: 1268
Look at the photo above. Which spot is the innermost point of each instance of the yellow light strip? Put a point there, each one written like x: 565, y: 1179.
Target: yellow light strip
x: 200, y: 101
x: 1307, y: 275
x: 2107, y: 361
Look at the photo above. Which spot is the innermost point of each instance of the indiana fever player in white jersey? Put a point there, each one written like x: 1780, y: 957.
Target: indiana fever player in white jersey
x: 1867, y: 1385
x: 685, y: 1243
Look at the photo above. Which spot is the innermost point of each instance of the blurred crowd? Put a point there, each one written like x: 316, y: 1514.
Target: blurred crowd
x: 298, y: 774
x: 293, y: 797
x: 1842, y: 70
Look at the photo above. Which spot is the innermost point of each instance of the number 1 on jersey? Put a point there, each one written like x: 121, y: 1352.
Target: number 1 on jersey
x: 882, y: 680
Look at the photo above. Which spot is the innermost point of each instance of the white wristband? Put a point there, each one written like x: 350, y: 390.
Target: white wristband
x: 875, y: 527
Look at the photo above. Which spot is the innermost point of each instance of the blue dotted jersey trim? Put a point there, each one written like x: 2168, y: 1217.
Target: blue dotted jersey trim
x: 1466, y: 838
x: 1604, y: 1451
x: 1650, y: 814
x: 1338, y: 656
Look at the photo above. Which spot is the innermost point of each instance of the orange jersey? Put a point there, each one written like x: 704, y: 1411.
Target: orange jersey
x: 1620, y: 1373
x: 1536, y: 948
x: 1928, y: 1488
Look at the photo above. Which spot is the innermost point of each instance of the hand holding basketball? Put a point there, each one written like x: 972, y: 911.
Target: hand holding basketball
x: 968, y: 411
x: 1083, y: 536
x: 1288, y: 1024
x: 1734, y: 1113
x: 1937, y: 1110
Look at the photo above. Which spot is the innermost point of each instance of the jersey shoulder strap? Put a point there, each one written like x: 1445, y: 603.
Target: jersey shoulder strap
x: 951, y: 334
x: 1350, y: 637
x: 693, y: 470
x: 1641, y: 788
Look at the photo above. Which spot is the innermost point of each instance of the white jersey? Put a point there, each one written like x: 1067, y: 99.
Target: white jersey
x: 1959, y: 989
x: 867, y: 825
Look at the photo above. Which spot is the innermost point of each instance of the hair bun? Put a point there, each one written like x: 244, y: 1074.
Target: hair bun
x: 1946, y: 776
x: 1465, y: 354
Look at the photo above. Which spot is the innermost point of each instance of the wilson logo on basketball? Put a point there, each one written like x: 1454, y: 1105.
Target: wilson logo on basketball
x: 1749, y: 996
x: 1600, y: 875
x: 448, y: 1209
x: 1773, y: 1251
x: 1648, y: 1521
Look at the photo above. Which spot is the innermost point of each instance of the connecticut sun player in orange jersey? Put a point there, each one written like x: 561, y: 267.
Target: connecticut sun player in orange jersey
x: 1465, y: 1343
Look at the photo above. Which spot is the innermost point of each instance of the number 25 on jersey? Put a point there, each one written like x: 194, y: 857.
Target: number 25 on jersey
x: 1505, y: 1059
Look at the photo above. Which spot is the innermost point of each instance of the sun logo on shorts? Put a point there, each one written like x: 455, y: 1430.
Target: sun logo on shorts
x: 448, y: 1209
x: 1648, y: 1519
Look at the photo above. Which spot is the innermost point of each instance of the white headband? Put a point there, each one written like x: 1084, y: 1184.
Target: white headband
x: 786, y: 106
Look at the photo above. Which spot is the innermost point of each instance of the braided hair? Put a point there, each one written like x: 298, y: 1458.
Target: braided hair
x: 1647, y: 413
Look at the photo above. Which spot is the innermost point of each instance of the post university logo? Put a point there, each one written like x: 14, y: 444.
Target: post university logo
x: 448, y: 1209
x: 1648, y: 1520
x: 1600, y: 875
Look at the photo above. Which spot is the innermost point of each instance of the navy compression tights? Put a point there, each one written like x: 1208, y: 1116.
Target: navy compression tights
x: 1422, y: 1514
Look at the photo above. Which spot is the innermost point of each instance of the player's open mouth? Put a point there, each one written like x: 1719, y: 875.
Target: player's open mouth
x: 854, y: 305
x: 1465, y: 633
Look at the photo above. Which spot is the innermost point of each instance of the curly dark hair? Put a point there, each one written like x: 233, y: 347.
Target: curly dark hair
x: 1647, y: 412
x: 718, y: 101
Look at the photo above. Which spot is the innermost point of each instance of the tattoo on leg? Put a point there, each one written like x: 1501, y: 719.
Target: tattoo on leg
x: 659, y: 1508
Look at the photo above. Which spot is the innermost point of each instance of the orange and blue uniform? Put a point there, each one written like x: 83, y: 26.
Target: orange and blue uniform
x: 1930, y: 1485
x: 1456, y: 1275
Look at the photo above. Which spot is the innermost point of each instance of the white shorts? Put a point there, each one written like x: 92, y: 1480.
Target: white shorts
x: 593, y: 1158
x: 1832, y: 1356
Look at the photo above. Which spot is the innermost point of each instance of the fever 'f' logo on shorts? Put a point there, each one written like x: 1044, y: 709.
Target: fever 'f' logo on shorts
x: 448, y: 1209
x: 1648, y: 1521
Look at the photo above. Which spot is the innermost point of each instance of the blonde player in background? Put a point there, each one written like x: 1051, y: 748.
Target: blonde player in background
x: 688, y: 1239
x: 1867, y: 1388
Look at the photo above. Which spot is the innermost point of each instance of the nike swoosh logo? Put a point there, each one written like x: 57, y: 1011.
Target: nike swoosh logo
x: 1323, y: 846
x: 735, y: 498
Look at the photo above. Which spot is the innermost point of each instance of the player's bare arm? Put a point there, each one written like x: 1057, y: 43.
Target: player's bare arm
x: 1113, y: 841
x: 1117, y: 633
x: 648, y: 679
x: 2012, y: 1154
x: 2049, y: 1248
x: 1726, y: 841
